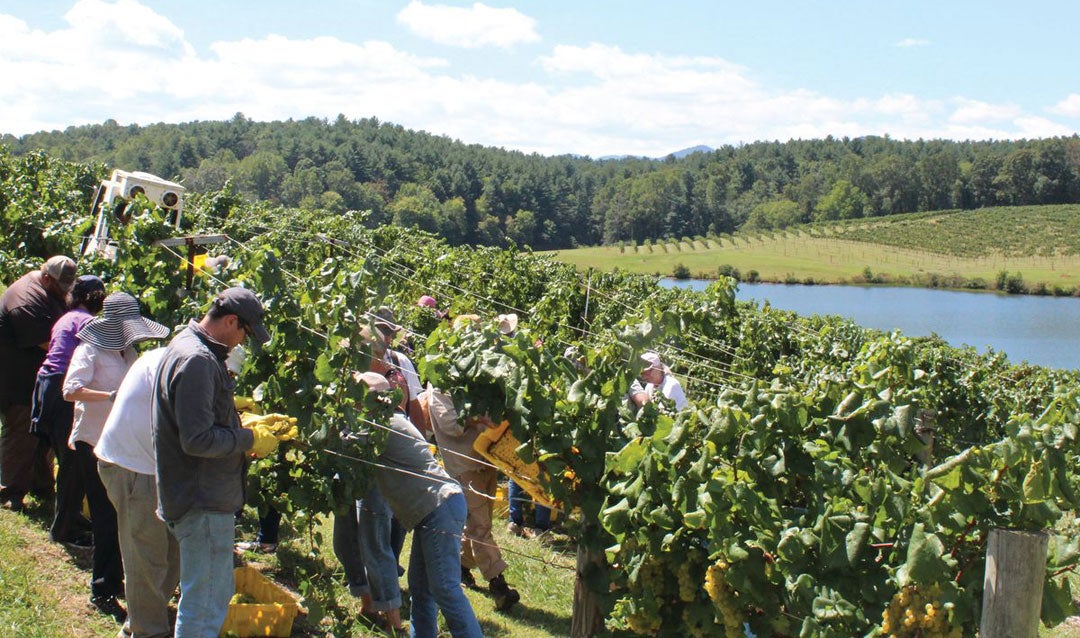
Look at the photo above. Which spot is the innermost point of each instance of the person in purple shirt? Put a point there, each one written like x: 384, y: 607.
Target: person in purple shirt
x: 51, y: 416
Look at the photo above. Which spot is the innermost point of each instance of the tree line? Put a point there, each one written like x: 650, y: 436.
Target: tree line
x: 472, y: 194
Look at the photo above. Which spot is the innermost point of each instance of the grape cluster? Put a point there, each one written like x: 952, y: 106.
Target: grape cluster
x: 916, y: 612
x: 688, y: 585
x: 723, y: 597
x: 628, y: 616
x: 651, y: 576
x: 643, y: 624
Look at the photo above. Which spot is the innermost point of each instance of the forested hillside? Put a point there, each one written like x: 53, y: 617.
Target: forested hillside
x: 473, y: 194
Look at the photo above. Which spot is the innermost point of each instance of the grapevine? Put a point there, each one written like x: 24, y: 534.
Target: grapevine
x: 796, y: 467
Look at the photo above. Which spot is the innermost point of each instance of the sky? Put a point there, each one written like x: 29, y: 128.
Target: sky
x: 584, y: 77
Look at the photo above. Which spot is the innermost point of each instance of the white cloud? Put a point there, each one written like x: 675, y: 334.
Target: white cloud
x: 1037, y: 127
x: 470, y: 28
x: 908, y: 43
x: 1069, y: 107
x: 594, y: 99
x: 969, y: 112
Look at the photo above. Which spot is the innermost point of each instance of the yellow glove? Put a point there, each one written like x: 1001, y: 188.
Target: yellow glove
x: 289, y: 433
x: 265, y: 441
x: 248, y: 419
x: 244, y: 403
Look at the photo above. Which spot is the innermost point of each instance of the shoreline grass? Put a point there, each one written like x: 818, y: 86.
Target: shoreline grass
x: 823, y: 260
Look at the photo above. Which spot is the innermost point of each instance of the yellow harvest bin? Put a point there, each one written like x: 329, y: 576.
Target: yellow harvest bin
x: 502, y: 500
x: 272, y: 615
x: 497, y: 445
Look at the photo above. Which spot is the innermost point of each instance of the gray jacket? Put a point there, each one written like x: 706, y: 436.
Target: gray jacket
x: 411, y: 480
x: 198, y: 441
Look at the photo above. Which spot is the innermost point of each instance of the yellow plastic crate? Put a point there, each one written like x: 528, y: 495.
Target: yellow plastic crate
x: 502, y: 500
x: 272, y: 615
x: 497, y: 445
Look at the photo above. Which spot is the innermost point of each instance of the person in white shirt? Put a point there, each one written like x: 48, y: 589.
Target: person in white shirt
x: 657, y: 375
x: 126, y: 464
x: 97, y: 367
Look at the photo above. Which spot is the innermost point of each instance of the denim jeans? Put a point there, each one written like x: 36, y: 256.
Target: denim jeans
x: 376, y: 551
x: 347, y: 549
x: 206, y: 571
x: 518, y: 498
x: 435, y: 574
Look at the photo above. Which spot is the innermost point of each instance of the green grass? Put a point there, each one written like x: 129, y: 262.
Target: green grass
x: 44, y: 588
x: 540, y: 569
x: 1042, y: 243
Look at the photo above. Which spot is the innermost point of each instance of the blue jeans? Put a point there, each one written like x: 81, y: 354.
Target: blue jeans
x: 435, y: 574
x: 376, y: 551
x: 518, y: 498
x: 206, y: 571
x: 347, y: 549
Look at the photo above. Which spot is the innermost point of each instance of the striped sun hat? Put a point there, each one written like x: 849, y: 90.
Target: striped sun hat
x: 120, y: 325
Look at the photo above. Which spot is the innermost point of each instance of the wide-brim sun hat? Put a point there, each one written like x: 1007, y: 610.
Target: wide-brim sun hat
x: 120, y: 325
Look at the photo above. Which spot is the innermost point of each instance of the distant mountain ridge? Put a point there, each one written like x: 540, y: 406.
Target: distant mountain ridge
x: 700, y: 148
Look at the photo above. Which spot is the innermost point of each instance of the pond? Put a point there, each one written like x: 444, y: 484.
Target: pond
x: 1040, y: 330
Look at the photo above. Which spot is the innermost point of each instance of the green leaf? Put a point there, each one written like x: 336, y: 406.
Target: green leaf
x: 1057, y: 602
x: 628, y: 458
x: 924, y: 562
x: 324, y: 371
x: 856, y: 541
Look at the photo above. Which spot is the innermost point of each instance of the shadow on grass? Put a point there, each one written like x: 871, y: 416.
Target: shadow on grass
x: 559, y: 624
x: 40, y: 512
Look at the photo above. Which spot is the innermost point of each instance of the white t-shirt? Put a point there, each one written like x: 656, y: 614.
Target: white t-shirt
x: 94, y: 368
x: 127, y: 439
x: 670, y: 388
x: 408, y: 370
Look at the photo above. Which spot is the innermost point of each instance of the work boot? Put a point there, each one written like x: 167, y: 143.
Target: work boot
x: 504, y: 596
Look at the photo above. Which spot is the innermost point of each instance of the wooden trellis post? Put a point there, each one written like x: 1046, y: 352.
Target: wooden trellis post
x: 1013, y: 584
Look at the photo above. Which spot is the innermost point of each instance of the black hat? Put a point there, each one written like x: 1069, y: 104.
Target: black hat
x: 87, y: 284
x: 244, y: 304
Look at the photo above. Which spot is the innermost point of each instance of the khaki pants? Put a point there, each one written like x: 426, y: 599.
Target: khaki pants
x: 25, y: 459
x: 478, y: 548
x: 151, y: 555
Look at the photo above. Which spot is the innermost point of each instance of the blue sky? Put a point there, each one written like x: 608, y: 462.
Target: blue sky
x: 554, y: 76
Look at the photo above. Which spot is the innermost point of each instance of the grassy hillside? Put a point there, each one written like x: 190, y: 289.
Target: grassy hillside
x: 954, y: 249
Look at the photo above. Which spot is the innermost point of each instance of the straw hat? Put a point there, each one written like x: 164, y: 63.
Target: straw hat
x: 120, y: 325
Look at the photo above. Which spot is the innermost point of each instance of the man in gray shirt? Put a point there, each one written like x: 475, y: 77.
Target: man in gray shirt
x: 431, y: 504
x: 200, y: 449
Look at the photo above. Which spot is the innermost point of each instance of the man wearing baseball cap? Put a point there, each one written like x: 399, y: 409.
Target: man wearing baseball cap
x: 200, y: 451
x: 28, y: 309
